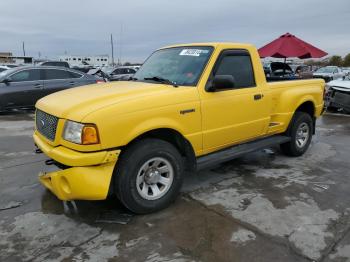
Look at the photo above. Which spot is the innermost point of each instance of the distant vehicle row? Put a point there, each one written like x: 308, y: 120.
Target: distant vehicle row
x: 21, y: 87
x: 329, y: 73
x: 274, y: 71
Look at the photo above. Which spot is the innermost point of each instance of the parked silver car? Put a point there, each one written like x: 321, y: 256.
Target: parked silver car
x: 55, y: 63
x: 21, y: 87
x: 3, y: 68
x: 338, y: 95
x: 122, y: 73
x: 329, y: 73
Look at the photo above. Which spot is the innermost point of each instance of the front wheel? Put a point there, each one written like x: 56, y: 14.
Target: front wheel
x: 149, y: 176
x: 300, y: 132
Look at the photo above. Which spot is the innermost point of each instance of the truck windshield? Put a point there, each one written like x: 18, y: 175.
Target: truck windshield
x: 179, y: 65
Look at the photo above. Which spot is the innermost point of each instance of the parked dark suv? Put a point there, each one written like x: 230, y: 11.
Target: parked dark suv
x: 21, y: 87
x: 55, y: 63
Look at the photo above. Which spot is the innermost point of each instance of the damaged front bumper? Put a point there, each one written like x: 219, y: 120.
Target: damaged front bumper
x: 338, y: 99
x: 79, y: 183
x: 78, y: 175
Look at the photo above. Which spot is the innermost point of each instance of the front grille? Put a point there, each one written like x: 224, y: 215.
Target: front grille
x: 46, y: 124
x: 342, y: 99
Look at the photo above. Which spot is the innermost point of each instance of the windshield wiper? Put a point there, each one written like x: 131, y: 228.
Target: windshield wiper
x: 161, y: 80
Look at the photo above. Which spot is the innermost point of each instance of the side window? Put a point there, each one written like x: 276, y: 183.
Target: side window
x: 51, y: 74
x: 117, y: 71
x: 239, y: 65
x: 26, y: 75
x: 74, y: 75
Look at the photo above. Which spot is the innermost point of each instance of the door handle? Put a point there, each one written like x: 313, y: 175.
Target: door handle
x: 258, y: 96
x: 38, y: 86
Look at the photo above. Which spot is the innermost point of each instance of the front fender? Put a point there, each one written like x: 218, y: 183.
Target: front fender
x: 119, y: 130
x: 153, y: 124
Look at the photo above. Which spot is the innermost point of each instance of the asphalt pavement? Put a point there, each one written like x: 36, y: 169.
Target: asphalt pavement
x: 261, y: 207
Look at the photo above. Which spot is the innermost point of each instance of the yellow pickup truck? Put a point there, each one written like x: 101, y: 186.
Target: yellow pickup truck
x: 188, y: 107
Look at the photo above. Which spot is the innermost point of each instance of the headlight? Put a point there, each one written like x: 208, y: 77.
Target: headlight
x: 78, y: 133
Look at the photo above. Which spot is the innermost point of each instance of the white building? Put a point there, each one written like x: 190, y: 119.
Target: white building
x: 77, y: 60
x: 8, y: 58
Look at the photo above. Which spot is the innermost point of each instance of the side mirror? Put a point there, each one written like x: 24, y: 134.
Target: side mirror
x: 6, y: 80
x: 222, y: 82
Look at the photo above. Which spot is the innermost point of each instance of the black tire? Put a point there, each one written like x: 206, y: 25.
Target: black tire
x: 129, y: 166
x: 332, y: 109
x: 346, y: 111
x: 292, y: 148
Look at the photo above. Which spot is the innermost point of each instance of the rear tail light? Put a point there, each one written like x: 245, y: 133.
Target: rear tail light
x: 325, y: 91
x: 100, y: 81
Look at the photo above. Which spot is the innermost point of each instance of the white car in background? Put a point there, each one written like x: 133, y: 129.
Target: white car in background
x: 3, y: 68
x: 329, y: 73
x: 136, y: 67
x: 346, y: 71
x: 338, y: 95
x: 122, y: 73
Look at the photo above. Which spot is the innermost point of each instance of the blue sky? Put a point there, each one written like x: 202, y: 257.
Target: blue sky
x: 83, y: 27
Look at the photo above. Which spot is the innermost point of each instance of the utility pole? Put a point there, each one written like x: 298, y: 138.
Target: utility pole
x: 24, y: 51
x: 120, y: 43
x: 112, y: 46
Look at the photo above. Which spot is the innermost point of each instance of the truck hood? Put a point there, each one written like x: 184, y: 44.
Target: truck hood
x: 76, y: 103
x: 341, y: 85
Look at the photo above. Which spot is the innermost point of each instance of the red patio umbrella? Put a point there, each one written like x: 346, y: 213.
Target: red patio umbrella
x: 289, y: 45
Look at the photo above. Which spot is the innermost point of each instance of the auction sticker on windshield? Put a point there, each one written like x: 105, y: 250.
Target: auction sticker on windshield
x: 193, y: 52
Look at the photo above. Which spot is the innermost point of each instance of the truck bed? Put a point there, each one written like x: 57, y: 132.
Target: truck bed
x: 277, y: 78
x: 289, y: 83
x: 287, y: 95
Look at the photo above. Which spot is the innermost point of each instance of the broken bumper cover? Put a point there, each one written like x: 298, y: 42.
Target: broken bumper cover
x: 87, y: 176
x: 79, y: 183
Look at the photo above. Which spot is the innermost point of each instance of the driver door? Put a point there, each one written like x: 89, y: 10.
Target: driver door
x: 238, y: 114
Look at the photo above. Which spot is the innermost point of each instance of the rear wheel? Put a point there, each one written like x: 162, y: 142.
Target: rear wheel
x: 300, y: 132
x: 149, y: 175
